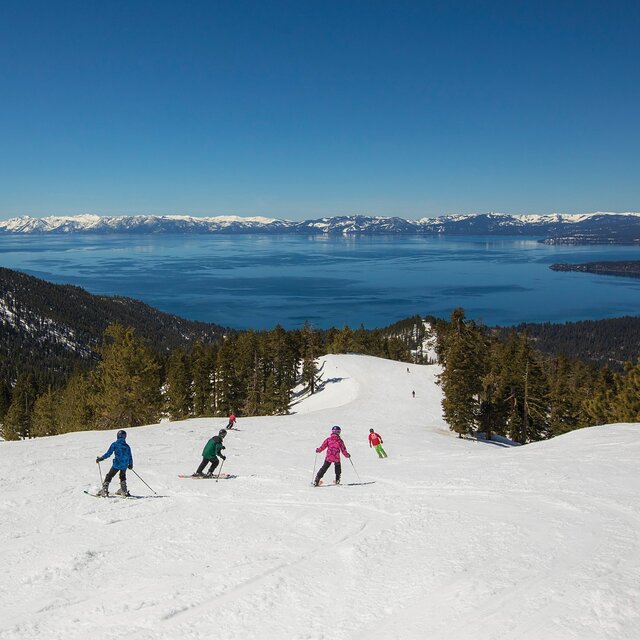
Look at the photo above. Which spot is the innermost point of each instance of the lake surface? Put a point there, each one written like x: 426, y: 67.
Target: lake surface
x: 256, y: 281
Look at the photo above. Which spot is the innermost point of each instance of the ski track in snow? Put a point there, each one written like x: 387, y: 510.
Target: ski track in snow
x: 455, y: 540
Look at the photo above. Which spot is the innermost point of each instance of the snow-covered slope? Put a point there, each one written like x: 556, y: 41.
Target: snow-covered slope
x: 455, y: 539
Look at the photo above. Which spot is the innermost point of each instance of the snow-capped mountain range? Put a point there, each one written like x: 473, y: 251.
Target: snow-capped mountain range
x: 560, y: 227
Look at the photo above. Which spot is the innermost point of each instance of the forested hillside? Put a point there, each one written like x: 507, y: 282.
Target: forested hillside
x: 49, y: 329
x: 609, y: 342
x: 72, y: 361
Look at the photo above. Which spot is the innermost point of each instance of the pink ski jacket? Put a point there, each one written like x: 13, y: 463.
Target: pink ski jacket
x: 334, y: 445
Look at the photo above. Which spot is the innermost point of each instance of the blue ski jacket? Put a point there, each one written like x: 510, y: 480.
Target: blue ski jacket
x: 123, y: 457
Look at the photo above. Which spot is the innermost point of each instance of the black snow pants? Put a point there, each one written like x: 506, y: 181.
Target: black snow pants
x: 325, y: 466
x: 112, y: 472
x: 205, y: 462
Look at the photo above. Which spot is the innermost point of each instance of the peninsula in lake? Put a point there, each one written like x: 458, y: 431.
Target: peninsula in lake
x: 626, y: 268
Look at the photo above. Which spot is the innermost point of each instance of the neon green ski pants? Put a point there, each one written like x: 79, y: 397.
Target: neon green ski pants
x: 380, y: 451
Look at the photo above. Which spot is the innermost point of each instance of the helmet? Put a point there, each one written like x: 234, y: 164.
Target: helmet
x: 336, y: 429
x: 122, y: 434
x: 370, y: 430
x: 222, y: 433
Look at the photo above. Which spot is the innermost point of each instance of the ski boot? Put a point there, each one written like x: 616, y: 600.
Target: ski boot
x: 123, y: 491
x: 336, y: 481
x: 317, y: 482
x: 104, y: 492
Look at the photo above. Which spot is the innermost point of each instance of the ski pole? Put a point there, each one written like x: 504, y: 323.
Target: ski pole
x: 100, y: 472
x: 315, y: 462
x: 220, y: 471
x: 134, y: 471
x: 354, y: 468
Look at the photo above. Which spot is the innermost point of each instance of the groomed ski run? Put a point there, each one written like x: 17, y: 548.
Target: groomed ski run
x: 455, y: 540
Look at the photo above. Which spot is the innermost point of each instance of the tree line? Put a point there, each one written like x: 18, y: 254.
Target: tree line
x: 493, y: 382
x: 498, y: 383
x: 249, y: 373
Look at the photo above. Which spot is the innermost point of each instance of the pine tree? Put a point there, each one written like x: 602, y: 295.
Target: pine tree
x: 492, y: 413
x: 309, y: 364
x: 43, y: 418
x: 342, y: 341
x: 73, y: 409
x: 461, y: 378
x: 525, y: 389
x: 280, y: 370
x: 126, y: 381
x: 5, y: 398
x: 227, y: 384
x: 627, y: 401
x: 599, y: 406
x: 17, y: 421
x: 203, y: 365
x: 178, y: 386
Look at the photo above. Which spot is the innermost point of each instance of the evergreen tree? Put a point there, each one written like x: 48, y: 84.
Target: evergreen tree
x: 43, y: 418
x: 126, y: 381
x: 571, y: 384
x: 17, y: 420
x: 203, y: 365
x: 627, y: 401
x: 73, y: 409
x: 492, y: 414
x: 227, y: 383
x: 5, y: 398
x: 309, y: 364
x: 461, y: 378
x: 525, y: 389
x: 280, y: 371
x: 599, y: 406
x: 342, y: 341
x: 178, y: 386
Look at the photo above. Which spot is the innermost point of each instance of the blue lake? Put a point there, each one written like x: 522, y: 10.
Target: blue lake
x: 249, y: 281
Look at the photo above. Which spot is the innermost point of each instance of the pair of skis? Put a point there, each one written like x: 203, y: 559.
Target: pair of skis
x: 222, y: 476
x: 342, y: 484
x: 117, y: 495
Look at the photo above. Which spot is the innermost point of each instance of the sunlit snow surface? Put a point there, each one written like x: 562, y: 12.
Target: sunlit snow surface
x: 455, y: 540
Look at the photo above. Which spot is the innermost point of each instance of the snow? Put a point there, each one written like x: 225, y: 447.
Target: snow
x: 456, y: 539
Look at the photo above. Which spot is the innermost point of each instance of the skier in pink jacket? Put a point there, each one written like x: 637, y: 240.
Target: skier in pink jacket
x: 334, y: 445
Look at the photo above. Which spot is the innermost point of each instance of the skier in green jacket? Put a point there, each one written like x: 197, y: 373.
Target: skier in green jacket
x: 210, y: 454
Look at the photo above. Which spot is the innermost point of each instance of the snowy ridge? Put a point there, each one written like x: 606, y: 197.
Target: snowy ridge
x: 455, y: 540
x: 553, y: 223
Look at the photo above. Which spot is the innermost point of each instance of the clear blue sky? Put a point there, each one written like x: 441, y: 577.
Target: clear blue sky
x: 300, y: 109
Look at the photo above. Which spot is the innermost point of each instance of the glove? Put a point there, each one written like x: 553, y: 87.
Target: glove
x: 223, y: 447
x: 223, y: 457
x: 348, y: 455
x: 130, y: 466
x: 98, y: 459
x: 317, y: 450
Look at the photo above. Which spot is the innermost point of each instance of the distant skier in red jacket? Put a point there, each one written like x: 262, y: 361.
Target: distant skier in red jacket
x: 232, y: 422
x: 375, y: 441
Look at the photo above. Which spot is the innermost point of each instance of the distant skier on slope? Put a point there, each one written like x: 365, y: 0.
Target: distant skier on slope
x: 232, y: 421
x: 334, y: 445
x: 210, y: 454
x: 122, y: 460
x: 375, y: 441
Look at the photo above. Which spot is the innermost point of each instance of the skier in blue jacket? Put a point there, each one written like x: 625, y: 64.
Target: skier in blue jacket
x: 122, y: 460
